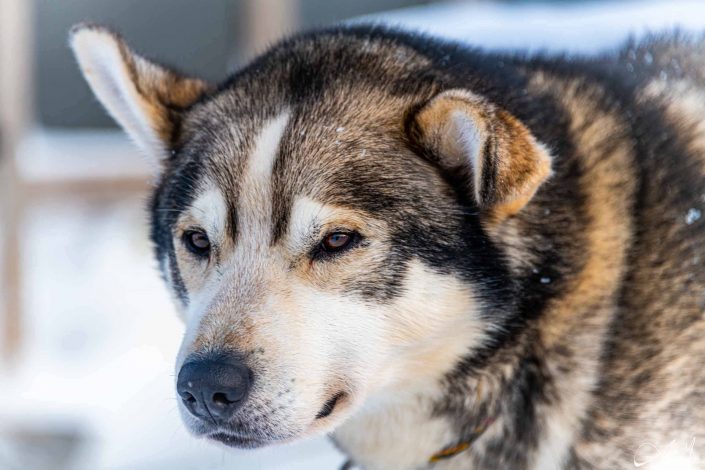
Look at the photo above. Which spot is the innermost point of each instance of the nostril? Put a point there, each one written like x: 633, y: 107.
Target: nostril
x: 222, y: 399
x: 188, y: 398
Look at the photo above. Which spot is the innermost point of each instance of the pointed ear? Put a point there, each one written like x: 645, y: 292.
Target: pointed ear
x: 145, y: 98
x: 501, y: 161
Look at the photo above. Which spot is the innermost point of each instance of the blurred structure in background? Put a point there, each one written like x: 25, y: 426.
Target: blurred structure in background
x: 87, y: 332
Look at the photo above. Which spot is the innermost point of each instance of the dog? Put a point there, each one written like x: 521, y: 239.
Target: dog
x: 442, y: 257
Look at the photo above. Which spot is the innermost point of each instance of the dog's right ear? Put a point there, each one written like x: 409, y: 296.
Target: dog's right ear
x: 145, y: 98
x: 502, y: 163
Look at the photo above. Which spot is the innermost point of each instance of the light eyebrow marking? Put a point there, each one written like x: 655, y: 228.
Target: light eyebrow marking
x: 255, y: 205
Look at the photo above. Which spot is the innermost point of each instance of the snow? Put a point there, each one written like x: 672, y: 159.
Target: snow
x: 692, y: 216
x: 580, y: 27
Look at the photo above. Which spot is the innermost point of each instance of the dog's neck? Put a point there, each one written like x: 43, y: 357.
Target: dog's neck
x: 530, y: 389
x: 396, y: 430
x: 471, y: 421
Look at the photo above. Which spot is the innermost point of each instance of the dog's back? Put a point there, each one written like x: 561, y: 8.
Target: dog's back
x: 651, y: 389
x: 637, y: 130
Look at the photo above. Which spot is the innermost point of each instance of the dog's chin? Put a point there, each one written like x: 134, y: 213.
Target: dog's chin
x: 236, y: 441
x: 228, y: 435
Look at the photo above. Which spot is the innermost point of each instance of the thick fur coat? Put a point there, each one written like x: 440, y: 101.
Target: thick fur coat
x: 521, y: 285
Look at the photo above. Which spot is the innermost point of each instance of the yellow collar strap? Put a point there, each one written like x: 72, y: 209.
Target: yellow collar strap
x: 456, y: 449
x: 450, y: 451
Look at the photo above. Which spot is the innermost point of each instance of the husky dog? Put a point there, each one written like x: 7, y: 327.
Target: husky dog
x: 445, y: 258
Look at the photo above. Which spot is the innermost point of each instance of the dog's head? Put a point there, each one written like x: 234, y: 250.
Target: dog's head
x: 323, y: 221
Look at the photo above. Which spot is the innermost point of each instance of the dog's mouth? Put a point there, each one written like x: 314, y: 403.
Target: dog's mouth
x: 330, y: 405
x: 241, y: 442
x: 238, y: 440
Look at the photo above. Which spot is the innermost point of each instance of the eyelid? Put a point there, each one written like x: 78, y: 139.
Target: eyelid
x: 194, y: 228
x: 325, y: 230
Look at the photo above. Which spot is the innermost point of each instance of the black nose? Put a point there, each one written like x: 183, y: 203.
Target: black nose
x: 213, y: 389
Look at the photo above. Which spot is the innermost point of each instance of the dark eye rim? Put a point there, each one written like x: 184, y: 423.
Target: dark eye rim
x: 187, y: 239
x: 323, y: 252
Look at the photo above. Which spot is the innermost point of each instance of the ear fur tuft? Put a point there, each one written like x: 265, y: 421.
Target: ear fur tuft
x: 501, y: 159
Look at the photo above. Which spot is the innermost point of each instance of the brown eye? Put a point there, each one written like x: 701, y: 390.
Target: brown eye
x: 337, y: 241
x: 197, y: 242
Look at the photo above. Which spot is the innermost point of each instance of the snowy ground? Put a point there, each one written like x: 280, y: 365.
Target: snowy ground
x: 94, y: 389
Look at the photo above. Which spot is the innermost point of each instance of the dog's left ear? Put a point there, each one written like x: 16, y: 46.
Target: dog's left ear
x: 145, y: 98
x: 496, y: 154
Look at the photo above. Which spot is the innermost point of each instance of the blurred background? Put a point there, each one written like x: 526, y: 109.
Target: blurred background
x: 87, y: 331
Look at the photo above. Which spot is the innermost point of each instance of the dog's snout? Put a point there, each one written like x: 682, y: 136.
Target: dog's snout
x: 213, y: 389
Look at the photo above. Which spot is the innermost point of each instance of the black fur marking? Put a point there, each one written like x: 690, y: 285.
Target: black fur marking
x: 173, y: 194
x: 488, y: 171
x: 329, y: 406
x: 232, y: 221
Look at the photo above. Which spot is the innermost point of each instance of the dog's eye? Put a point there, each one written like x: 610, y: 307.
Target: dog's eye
x: 197, y: 242
x: 337, y: 241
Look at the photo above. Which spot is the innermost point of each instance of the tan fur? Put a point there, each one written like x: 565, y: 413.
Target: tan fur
x: 522, y: 163
x: 610, y: 229
x: 583, y: 313
x: 685, y: 105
